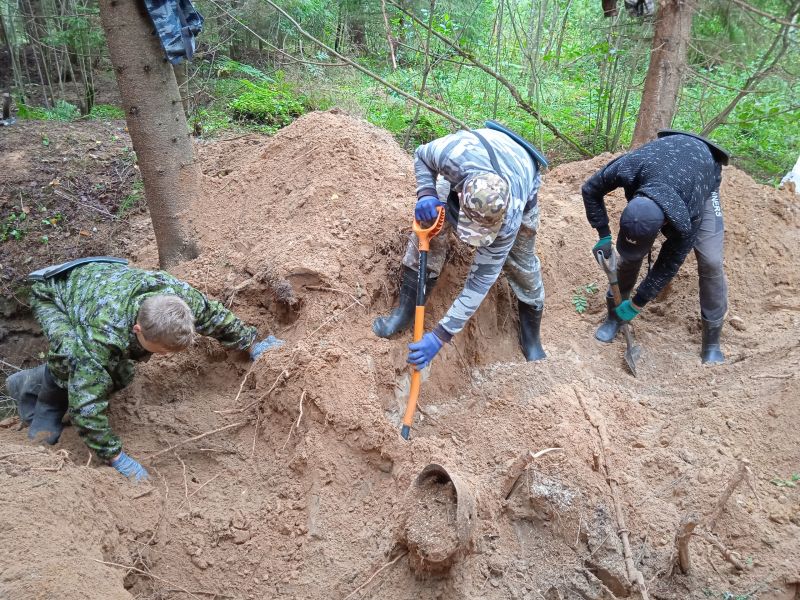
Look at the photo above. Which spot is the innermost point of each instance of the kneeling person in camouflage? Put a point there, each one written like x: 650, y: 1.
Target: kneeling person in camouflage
x: 100, y: 317
x: 488, y: 185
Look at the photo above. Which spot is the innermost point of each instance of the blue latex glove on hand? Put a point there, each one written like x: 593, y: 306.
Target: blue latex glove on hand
x: 129, y: 467
x: 425, y: 210
x: 269, y: 343
x: 421, y: 353
x: 604, y: 246
x: 627, y: 311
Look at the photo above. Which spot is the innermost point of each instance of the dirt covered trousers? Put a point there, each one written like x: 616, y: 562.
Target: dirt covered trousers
x: 709, y: 251
x: 522, y: 267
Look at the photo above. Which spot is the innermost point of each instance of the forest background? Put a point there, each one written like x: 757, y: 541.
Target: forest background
x: 567, y: 74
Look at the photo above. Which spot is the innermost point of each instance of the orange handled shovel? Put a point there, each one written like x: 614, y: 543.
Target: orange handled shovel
x: 425, y: 236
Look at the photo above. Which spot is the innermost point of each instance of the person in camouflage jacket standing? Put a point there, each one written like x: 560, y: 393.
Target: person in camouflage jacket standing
x: 488, y: 184
x: 100, y: 318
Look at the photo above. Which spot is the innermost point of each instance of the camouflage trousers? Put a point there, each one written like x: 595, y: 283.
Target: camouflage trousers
x: 522, y: 267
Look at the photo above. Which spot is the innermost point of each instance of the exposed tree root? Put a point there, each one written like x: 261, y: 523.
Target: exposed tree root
x: 634, y: 574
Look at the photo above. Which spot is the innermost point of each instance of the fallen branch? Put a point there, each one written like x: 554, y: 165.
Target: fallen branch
x: 682, y: 539
x: 737, y: 478
x: 241, y: 385
x: 195, y: 438
x: 282, y: 374
x: 634, y: 574
x: 386, y: 566
x: 333, y: 317
x: 8, y: 364
x: 330, y: 289
x: 729, y: 555
x: 147, y: 574
x: 296, y: 423
x: 197, y: 490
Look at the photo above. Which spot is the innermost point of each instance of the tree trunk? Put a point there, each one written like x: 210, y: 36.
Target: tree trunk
x: 672, y: 29
x: 157, y: 127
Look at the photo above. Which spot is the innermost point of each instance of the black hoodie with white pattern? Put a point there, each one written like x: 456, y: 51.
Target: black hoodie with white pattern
x: 676, y: 172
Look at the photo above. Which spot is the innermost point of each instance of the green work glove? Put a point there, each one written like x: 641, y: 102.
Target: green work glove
x: 604, y: 246
x: 626, y: 311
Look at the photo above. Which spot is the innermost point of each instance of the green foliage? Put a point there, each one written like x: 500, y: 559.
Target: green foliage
x: 790, y: 482
x: 580, y: 297
x: 230, y: 67
x: 62, y: 111
x: 14, y: 226
x: 272, y: 104
x: 106, y: 112
x: 132, y: 200
x: 78, y: 32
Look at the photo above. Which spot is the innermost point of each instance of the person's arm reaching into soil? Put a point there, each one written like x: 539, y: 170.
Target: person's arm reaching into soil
x: 89, y: 387
x: 214, y: 320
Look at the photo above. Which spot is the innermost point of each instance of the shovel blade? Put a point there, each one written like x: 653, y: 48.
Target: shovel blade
x: 632, y: 354
x: 632, y: 350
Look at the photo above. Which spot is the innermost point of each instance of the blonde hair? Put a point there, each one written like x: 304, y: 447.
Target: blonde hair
x: 167, y: 321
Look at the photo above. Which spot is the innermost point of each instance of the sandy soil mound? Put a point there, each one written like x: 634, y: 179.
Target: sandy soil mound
x: 299, y: 495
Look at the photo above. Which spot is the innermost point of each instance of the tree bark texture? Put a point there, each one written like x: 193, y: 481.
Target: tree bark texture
x: 673, y: 26
x: 157, y: 126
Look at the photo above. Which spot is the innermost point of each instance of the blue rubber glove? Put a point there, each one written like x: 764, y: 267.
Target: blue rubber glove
x: 425, y: 210
x: 269, y: 343
x: 421, y: 353
x: 129, y: 467
x: 627, y: 311
x: 604, y: 246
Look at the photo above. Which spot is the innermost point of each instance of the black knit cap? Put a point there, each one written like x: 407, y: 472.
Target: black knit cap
x: 638, y: 227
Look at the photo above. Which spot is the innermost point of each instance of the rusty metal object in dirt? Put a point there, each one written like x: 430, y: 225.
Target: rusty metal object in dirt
x: 432, y: 555
x: 632, y: 350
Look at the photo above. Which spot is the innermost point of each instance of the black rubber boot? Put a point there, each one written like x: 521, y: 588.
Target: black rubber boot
x: 51, y: 405
x: 403, y: 316
x: 530, y: 321
x: 711, y: 352
x: 608, y: 329
x: 23, y: 387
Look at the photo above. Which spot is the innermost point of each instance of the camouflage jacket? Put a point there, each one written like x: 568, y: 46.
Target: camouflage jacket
x: 88, y: 316
x: 456, y: 158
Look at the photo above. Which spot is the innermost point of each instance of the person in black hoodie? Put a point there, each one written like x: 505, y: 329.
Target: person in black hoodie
x: 672, y: 187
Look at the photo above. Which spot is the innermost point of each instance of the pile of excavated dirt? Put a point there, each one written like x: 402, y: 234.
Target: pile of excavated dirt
x: 298, y: 497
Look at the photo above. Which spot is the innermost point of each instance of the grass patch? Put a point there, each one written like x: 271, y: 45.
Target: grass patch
x: 106, y: 112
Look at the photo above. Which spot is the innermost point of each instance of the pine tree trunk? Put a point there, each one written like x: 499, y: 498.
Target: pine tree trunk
x: 157, y: 126
x: 662, y: 84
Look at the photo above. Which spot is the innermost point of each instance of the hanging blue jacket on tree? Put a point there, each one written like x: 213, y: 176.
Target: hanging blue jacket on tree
x: 177, y: 23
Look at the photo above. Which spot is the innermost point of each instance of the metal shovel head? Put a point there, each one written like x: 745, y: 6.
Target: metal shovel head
x: 632, y: 354
x: 632, y: 350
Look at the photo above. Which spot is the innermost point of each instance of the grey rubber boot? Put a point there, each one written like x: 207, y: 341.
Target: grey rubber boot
x: 403, y: 315
x: 23, y: 387
x: 712, y: 352
x: 51, y: 405
x: 530, y: 321
x: 608, y: 329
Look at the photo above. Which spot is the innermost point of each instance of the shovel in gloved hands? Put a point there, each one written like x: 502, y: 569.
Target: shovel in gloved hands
x: 424, y: 236
x: 609, y: 265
